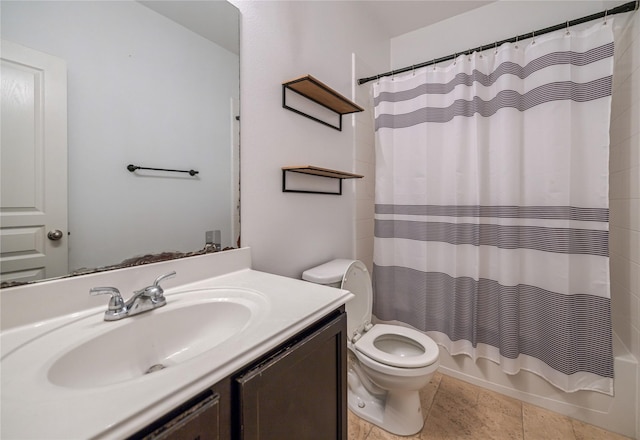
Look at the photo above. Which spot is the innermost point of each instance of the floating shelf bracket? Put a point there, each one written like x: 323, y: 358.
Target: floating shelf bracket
x: 320, y: 172
x: 321, y: 94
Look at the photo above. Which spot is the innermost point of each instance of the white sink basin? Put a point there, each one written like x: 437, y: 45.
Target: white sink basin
x: 92, y: 353
x: 149, y: 343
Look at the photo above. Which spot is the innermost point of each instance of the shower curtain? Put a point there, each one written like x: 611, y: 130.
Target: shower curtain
x: 491, y: 215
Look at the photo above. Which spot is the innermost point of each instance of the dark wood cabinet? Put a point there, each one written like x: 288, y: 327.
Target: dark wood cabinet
x: 296, y: 391
x: 204, y: 417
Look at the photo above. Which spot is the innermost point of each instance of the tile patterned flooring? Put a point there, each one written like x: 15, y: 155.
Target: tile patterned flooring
x: 454, y: 409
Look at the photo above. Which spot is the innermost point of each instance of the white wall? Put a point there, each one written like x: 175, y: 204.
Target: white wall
x: 281, y: 40
x: 127, y: 106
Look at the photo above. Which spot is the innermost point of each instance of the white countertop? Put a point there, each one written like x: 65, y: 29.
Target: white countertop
x: 33, y: 407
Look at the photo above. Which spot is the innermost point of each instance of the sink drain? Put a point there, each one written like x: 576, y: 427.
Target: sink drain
x: 154, y: 368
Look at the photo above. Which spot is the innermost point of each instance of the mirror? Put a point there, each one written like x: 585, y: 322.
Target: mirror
x: 153, y: 84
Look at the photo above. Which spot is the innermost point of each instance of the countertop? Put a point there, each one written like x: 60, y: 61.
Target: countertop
x: 33, y: 407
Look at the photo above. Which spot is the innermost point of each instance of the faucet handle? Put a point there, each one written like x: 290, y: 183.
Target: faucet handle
x: 155, y: 291
x: 116, y: 303
x: 172, y: 274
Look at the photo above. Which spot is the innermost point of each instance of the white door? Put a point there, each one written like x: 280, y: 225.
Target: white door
x: 33, y: 165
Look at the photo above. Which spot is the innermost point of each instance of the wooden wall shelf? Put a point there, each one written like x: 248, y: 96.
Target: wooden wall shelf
x: 316, y: 171
x: 321, y: 94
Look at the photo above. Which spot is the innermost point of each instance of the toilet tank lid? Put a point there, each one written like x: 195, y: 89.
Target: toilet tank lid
x: 327, y: 273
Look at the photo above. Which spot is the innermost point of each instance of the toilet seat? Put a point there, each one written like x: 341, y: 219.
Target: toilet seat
x: 391, y: 345
x: 367, y: 346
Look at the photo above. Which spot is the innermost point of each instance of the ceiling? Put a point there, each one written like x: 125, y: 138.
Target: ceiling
x: 397, y: 17
x: 216, y: 21
x: 393, y: 17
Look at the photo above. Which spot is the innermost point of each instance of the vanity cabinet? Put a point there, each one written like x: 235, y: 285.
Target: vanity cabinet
x: 299, y: 392
x: 296, y: 391
x: 204, y: 417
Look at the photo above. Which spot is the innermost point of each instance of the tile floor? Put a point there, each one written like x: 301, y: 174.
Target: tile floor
x: 454, y: 409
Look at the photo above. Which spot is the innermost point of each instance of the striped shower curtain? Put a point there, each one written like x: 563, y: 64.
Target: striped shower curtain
x: 491, y: 217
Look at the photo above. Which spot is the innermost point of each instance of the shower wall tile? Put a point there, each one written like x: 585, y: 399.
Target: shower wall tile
x: 364, y: 209
x: 364, y: 252
x: 625, y: 93
x: 629, y: 60
x: 621, y: 304
x: 634, y: 309
x: 364, y: 228
x: 627, y: 155
x: 634, y: 214
x: 625, y: 125
x: 634, y: 182
x: 364, y: 150
x: 625, y: 242
x: 625, y: 66
x: 625, y: 184
x: 634, y: 246
x: 624, y: 188
x: 624, y: 273
x: 365, y: 187
x: 624, y: 166
x: 364, y: 143
x: 625, y: 39
x: 364, y: 160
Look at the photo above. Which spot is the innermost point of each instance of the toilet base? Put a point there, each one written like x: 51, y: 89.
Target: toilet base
x: 399, y: 413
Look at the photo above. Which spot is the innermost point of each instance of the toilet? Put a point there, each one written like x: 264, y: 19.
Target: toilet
x: 388, y: 364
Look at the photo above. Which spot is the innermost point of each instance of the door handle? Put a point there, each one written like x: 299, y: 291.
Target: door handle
x: 54, y: 235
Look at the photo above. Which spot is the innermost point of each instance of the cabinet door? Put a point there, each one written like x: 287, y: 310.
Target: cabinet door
x: 300, y: 392
x: 199, y: 422
x: 206, y: 416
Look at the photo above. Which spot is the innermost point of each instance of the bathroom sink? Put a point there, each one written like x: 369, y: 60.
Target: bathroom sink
x: 71, y: 374
x: 94, y: 353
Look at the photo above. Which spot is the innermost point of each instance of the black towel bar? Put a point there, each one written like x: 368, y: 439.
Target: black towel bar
x: 132, y: 168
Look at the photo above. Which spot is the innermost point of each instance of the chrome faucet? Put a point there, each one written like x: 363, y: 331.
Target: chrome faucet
x: 142, y: 300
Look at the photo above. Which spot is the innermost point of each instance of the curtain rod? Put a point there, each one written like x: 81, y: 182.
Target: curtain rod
x: 627, y: 7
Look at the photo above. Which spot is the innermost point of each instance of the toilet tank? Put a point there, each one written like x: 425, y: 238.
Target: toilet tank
x: 350, y: 275
x: 330, y: 273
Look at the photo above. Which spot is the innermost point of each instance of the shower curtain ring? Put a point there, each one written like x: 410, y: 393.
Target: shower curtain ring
x: 455, y: 58
x: 605, y: 17
x: 495, y: 46
x: 568, y: 33
x: 516, y: 46
x: 533, y: 38
x: 434, y: 64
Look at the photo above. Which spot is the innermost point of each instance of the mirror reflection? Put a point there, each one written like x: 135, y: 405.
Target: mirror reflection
x: 151, y: 83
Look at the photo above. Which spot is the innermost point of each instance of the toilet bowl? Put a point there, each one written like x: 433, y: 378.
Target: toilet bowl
x: 388, y: 364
